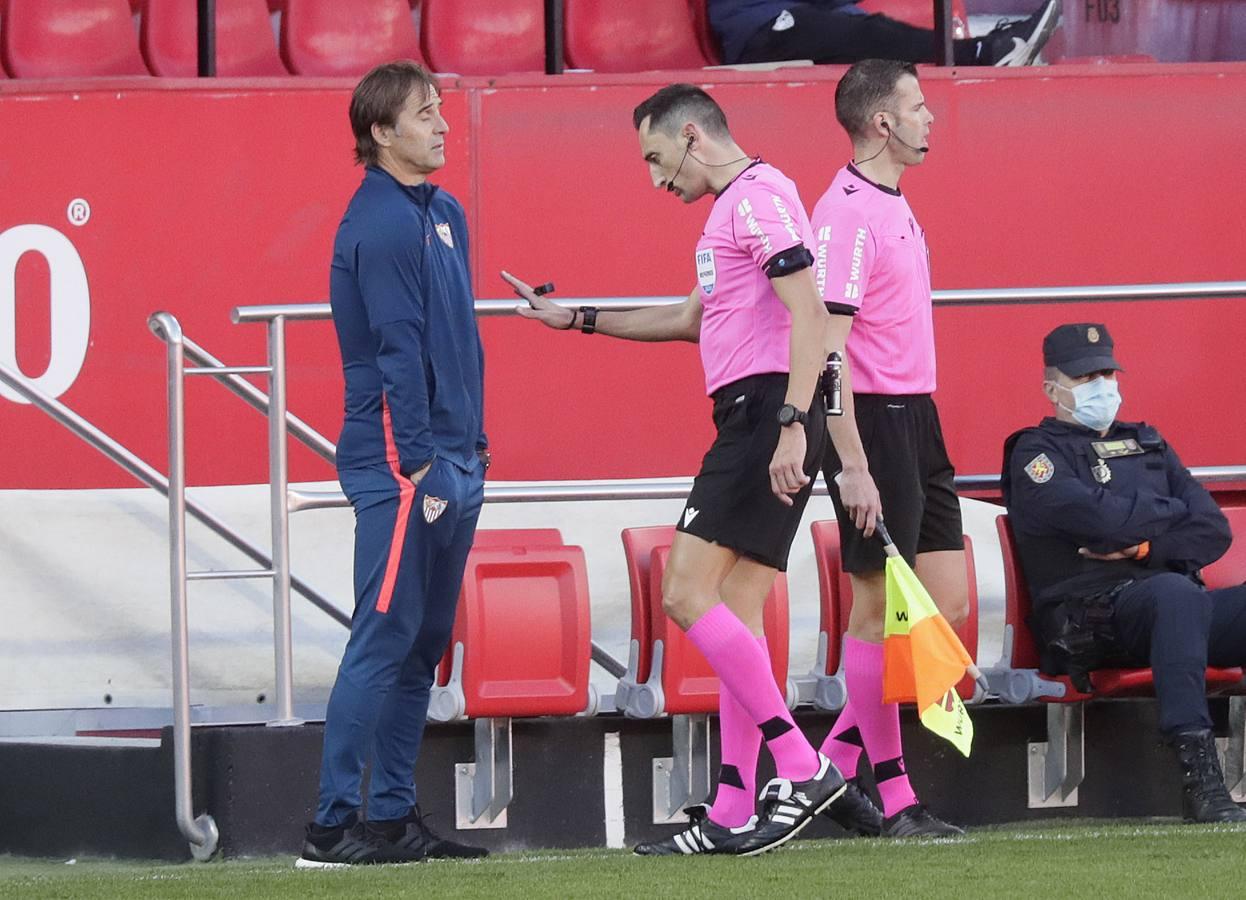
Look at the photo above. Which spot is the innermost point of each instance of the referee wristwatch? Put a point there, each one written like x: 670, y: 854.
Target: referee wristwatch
x: 789, y: 414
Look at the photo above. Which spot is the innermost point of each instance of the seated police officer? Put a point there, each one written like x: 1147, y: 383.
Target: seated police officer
x: 1112, y: 531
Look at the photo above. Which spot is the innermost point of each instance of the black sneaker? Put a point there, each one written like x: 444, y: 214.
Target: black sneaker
x: 701, y: 836
x: 413, y: 835
x: 349, y: 844
x: 1019, y: 43
x: 918, y: 821
x: 855, y: 812
x: 788, y: 806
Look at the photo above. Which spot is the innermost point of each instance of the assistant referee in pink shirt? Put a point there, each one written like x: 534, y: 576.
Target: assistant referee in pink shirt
x: 888, y: 457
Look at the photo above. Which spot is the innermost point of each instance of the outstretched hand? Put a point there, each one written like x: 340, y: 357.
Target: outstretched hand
x: 544, y: 311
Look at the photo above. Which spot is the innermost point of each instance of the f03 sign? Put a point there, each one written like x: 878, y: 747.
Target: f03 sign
x: 69, y: 306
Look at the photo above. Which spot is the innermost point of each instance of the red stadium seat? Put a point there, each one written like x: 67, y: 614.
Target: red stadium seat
x: 471, y: 38
x: 666, y: 673
x: 919, y: 13
x: 329, y: 37
x: 1164, y: 30
x: 688, y: 683
x: 522, y: 639
x: 69, y: 39
x: 835, y: 596
x: 245, y: 46
x: 705, y: 35
x: 638, y: 547
x: 634, y: 36
x: 1230, y: 569
x: 516, y: 538
x: 1018, y: 679
x: 830, y: 691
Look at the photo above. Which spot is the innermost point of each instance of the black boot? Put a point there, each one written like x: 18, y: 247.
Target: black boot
x: 1204, y: 798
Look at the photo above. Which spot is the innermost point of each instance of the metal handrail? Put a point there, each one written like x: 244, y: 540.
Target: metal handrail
x: 1194, y: 290
x: 258, y: 400
x: 148, y: 475
x: 670, y: 489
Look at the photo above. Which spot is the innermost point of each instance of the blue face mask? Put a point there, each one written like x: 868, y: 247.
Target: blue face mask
x: 1095, y: 402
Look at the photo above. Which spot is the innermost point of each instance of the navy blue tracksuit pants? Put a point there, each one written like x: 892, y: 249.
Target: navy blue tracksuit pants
x: 1179, y: 629
x: 411, y: 545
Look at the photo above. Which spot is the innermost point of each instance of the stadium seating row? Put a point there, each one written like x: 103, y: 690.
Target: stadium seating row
x: 1017, y: 678
x: 86, y: 38
x: 527, y: 582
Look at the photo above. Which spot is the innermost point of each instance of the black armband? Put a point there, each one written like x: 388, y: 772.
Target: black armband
x: 840, y: 309
x: 790, y: 260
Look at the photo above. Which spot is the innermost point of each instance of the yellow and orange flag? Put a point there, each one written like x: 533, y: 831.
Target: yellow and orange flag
x: 923, y: 659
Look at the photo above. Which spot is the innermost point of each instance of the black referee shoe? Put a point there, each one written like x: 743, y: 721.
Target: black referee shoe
x: 701, y: 836
x: 855, y: 812
x: 918, y: 821
x: 788, y: 806
x: 412, y: 834
x: 349, y: 844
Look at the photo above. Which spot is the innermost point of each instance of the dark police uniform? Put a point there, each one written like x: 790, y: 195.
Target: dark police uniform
x: 403, y: 308
x: 1066, y: 488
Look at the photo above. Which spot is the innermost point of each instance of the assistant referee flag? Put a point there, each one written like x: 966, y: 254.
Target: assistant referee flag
x: 923, y: 659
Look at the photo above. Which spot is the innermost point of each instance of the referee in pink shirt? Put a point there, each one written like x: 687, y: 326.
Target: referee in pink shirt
x: 761, y: 328
x: 872, y: 269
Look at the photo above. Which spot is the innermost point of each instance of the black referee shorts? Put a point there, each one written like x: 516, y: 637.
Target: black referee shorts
x: 904, y: 447
x: 731, y: 503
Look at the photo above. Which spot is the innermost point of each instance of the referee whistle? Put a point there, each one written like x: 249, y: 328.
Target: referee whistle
x: 832, y: 385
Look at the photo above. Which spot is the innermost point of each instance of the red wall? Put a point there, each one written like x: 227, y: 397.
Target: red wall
x: 202, y: 200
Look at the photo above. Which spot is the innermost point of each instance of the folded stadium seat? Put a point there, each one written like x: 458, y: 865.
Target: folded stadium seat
x: 835, y: 603
x: 830, y: 692
x: 69, y: 39
x: 539, y: 592
x: 705, y: 35
x: 920, y: 13
x: 666, y: 673
x: 688, y: 684
x: 632, y: 36
x: 471, y: 38
x: 332, y: 38
x: 518, y: 538
x: 638, y: 547
x: 1018, y: 680
x: 1230, y: 569
x: 245, y: 47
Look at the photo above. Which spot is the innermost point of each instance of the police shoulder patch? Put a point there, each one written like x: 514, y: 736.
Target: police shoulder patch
x: 1040, y: 469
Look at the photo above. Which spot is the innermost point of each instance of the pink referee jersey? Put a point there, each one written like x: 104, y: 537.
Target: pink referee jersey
x: 745, y: 328
x: 871, y: 254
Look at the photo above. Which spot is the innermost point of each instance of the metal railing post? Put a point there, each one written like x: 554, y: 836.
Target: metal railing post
x: 278, y: 480
x: 201, y: 832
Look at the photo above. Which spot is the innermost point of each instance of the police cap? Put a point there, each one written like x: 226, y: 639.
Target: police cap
x: 1080, y: 349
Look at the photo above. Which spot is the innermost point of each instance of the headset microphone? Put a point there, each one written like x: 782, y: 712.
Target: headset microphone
x: 670, y: 183
x: 894, y: 134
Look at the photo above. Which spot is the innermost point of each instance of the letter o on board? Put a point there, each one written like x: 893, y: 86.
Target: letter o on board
x: 70, y: 300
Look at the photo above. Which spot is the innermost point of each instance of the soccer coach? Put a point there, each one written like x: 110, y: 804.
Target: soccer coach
x: 411, y: 460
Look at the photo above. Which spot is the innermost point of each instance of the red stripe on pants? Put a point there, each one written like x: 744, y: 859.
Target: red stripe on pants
x: 406, y: 495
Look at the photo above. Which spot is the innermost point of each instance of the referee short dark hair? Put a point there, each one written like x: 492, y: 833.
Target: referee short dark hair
x: 866, y: 88
x: 678, y: 103
x: 379, y: 98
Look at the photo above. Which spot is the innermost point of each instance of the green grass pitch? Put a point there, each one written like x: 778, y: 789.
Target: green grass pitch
x: 1032, y: 861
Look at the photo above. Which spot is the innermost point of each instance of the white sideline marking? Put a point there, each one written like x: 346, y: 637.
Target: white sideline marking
x: 612, y: 764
